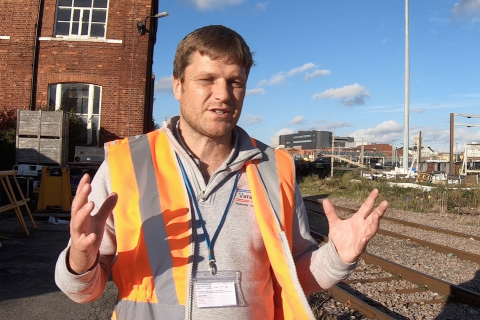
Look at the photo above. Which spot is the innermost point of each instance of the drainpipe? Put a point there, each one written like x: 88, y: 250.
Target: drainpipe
x: 38, y: 27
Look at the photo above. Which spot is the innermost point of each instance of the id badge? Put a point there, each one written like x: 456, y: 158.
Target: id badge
x: 222, y: 289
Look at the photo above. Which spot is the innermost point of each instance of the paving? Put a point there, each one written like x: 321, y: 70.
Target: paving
x: 27, y: 265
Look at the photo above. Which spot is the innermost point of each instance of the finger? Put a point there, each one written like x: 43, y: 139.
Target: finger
x: 370, y: 231
x: 84, y: 243
x: 106, y: 208
x: 330, y: 213
x: 362, y: 246
x: 85, y: 179
x: 78, y: 224
x: 375, y: 222
x: 367, y: 206
x: 382, y: 208
x: 81, y: 197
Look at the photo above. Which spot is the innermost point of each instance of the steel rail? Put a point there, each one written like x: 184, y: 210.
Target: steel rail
x: 453, y: 292
x: 407, y: 223
x: 436, y: 247
x: 344, y: 297
x: 355, y: 303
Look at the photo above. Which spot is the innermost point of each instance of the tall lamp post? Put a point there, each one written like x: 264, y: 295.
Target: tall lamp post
x: 406, y: 128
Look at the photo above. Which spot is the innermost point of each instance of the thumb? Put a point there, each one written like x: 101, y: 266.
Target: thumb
x: 106, y: 208
x: 330, y: 213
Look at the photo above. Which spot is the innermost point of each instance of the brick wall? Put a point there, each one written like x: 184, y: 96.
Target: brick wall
x: 120, y: 68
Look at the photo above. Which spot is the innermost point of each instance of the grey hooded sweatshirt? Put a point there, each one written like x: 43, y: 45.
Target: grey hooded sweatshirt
x: 239, y: 245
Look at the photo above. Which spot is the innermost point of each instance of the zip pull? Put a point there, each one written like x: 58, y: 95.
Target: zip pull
x: 213, y: 266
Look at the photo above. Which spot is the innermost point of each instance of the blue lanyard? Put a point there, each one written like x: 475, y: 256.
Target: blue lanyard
x: 211, y: 259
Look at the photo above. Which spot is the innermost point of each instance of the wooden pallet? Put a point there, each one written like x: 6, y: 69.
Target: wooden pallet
x: 423, y: 177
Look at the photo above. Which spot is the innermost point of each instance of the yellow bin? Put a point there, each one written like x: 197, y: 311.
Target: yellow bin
x: 55, y: 190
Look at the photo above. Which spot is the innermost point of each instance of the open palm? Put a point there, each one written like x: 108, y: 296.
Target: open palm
x: 351, y: 236
x: 86, y: 231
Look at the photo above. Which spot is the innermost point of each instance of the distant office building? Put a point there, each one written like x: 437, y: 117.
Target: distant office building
x: 307, y: 139
x: 345, y: 142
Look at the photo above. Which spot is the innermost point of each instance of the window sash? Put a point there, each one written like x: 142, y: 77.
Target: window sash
x: 82, y: 19
x: 91, y: 115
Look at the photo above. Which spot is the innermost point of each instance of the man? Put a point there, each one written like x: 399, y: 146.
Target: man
x: 197, y: 220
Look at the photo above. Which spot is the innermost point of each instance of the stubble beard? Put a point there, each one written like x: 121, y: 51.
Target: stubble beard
x: 198, y: 127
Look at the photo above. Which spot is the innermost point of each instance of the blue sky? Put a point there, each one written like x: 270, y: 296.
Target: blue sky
x: 339, y: 65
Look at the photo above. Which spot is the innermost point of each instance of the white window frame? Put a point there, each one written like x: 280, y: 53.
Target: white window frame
x: 91, y: 92
x: 82, y: 9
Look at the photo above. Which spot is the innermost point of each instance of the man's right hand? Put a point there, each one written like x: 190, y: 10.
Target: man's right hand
x: 86, y: 231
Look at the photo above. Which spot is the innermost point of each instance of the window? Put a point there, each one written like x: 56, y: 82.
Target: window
x: 82, y: 18
x: 304, y: 136
x: 84, y: 100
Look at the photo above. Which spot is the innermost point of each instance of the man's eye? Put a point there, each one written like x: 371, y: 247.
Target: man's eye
x: 237, y: 84
x: 205, y: 80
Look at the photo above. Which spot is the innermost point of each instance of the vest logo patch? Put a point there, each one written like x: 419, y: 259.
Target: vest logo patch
x: 244, y: 198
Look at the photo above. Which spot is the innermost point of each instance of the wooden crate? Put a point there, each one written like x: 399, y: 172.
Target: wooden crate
x: 42, y: 137
x: 423, y: 177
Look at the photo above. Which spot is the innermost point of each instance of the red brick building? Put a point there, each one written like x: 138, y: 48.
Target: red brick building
x: 82, y: 54
x: 384, y: 148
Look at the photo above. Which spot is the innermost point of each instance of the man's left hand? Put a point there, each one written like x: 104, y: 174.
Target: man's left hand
x: 351, y: 236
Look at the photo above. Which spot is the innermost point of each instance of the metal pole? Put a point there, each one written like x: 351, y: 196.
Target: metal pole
x: 333, y: 159
x: 407, y: 92
x: 361, y: 153
x: 452, y: 124
x: 419, y: 148
x: 393, y: 154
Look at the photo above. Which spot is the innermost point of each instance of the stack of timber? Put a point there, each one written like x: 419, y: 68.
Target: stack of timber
x: 42, y: 137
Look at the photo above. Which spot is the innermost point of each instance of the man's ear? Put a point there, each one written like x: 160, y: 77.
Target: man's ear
x: 177, y: 88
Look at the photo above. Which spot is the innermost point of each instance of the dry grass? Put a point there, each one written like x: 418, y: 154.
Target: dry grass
x: 441, y: 199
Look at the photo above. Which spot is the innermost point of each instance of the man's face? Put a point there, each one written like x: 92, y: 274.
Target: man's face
x: 211, y: 97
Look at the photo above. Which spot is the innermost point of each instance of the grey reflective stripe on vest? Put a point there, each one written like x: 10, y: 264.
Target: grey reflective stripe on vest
x: 268, y: 173
x: 156, y: 241
x: 133, y: 310
x: 267, y: 167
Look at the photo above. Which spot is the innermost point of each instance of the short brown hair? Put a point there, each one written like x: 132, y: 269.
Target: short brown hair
x: 217, y: 42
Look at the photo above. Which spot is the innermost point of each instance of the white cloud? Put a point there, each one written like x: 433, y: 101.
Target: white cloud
x: 274, y: 140
x: 384, y: 40
x: 336, y: 125
x: 164, y: 85
x: 354, y: 94
x: 214, y: 4
x: 284, y: 131
x: 316, y: 74
x: 298, y: 120
x: 466, y: 9
x: 261, y: 6
x: 439, y: 139
x: 275, y: 79
x: 252, y: 119
x: 280, y: 77
x: 303, y: 68
x: 255, y: 91
x: 384, y: 132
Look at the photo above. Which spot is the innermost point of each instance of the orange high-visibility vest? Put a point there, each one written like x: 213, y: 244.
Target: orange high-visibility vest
x: 152, y: 217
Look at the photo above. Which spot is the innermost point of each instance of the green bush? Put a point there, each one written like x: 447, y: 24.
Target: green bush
x: 7, y: 139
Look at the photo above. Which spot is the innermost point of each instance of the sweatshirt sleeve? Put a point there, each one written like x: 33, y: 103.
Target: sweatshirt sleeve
x: 317, y: 267
x: 90, y: 285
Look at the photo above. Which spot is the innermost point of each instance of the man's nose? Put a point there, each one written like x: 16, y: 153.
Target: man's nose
x: 221, y: 90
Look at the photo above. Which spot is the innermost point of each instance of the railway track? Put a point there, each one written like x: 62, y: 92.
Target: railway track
x: 382, y: 289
